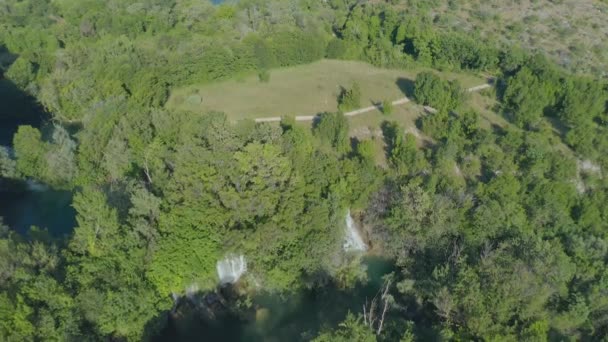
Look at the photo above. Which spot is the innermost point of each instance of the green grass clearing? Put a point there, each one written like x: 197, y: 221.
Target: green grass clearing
x: 301, y: 90
x: 314, y: 88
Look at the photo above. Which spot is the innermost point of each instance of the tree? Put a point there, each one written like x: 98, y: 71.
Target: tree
x: 332, y: 128
x: 351, y: 329
x: 61, y: 158
x: 98, y: 226
x: 526, y: 97
x: 366, y: 150
x: 581, y: 101
x: 403, y: 154
x: 417, y: 217
x: 336, y: 49
x: 184, y: 258
x: 21, y: 72
x: 430, y: 90
x: 30, y: 152
x: 254, y: 188
x: 8, y: 166
x: 350, y: 99
x: 497, y: 233
x: 387, y: 107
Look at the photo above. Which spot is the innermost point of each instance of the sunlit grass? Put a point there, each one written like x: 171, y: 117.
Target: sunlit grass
x: 301, y: 90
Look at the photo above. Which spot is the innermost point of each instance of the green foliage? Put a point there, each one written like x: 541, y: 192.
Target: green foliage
x: 352, y: 329
x: 264, y: 76
x: 332, y: 128
x: 351, y: 274
x: 498, y: 234
x: 53, y: 162
x: 184, y: 259
x: 526, y: 98
x: 21, y: 73
x: 30, y: 151
x: 61, y: 166
x: 98, y: 225
x: 8, y: 166
x: 457, y: 51
x: 430, y: 90
x: 255, y: 183
x: 293, y: 47
x: 403, y: 154
x: 581, y: 101
x: 366, y: 151
x: 336, y: 49
x: 387, y: 107
x: 350, y: 99
x: 418, y: 218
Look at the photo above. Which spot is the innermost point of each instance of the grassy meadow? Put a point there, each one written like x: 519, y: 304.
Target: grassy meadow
x: 301, y: 90
x: 314, y: 88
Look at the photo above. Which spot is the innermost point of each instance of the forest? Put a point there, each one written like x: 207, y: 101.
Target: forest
x: 492, y: 233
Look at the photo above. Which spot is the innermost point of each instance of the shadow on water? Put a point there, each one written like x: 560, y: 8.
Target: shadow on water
x: 46, y: 208
x: 25, y: 204
x: 272, y: 317
x: 406, y: 86
x: 17, y: 107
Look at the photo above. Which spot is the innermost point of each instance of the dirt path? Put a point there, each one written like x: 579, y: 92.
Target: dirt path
x: 364, y: 110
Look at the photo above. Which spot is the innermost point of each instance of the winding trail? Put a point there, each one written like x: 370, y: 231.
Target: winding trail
x: 366, y: 109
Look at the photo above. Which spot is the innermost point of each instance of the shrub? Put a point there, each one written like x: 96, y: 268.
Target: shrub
x: 443, y: 95
x: 264, y: 76
x: 387, y: 107
x: 350, y: 99
x: 21, y: 73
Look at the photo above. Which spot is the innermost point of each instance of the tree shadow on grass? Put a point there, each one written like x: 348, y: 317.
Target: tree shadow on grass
x: 377, y: 104
x: 354, y: 144
x: 406, y: 86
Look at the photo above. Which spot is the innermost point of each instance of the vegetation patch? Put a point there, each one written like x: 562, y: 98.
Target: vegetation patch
x: 304, y: 90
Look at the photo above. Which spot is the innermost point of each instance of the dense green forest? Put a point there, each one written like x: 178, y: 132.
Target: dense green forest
x: 496, y: 233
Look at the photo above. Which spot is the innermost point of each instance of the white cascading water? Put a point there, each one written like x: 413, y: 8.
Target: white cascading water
x: 191, y: 291
x: 35, y: 186
x: 230, y: 269
x: 352, y: 240
x: 175, y: 302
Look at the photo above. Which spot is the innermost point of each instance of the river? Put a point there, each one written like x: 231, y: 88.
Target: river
x: 297, y: 316
x: 24, y: 204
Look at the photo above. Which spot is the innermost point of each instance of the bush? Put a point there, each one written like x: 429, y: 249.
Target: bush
x: 366, y: 151
x: 332, y: 128
x: 443, y: 95
x: 21, y: 72
x: 350, y: 99
x: 264, y: 76
x: 387, y: 107
x: 336, y: 49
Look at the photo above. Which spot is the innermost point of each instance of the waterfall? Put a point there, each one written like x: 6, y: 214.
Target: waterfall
x: 352, y: 239
x: 35, y: 186
x: 191, y: 291
x: 175, y: 302
x: 230, y: 269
